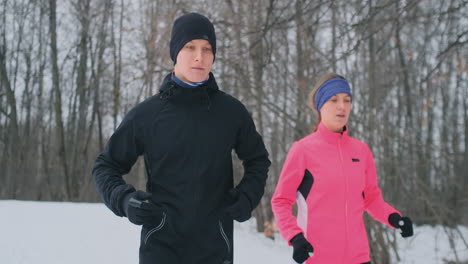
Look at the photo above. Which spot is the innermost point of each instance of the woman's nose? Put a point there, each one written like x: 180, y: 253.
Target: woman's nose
x: 340, y: 104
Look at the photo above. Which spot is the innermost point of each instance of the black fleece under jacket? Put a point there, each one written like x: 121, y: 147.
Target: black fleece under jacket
x: 186, y: 136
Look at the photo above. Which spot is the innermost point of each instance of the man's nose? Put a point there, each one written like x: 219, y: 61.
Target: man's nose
x: 198, y: 55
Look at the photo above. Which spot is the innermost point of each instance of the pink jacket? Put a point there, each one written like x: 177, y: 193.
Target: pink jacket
x: 332, y: 177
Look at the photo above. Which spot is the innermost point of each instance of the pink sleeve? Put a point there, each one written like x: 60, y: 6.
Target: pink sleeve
x: 285, y: 193
x: 373, y: 201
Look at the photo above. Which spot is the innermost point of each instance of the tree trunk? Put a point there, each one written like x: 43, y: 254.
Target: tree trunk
x: 10, y: 160
x: 62, y: 153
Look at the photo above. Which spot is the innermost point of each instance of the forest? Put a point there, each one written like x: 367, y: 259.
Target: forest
x: 70, y: 71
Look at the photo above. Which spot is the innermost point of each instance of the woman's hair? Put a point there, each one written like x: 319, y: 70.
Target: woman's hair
x: 322, y: 80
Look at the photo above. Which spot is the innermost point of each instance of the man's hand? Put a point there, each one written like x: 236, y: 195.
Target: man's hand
x: 140, y: 210
x: 238, y: 205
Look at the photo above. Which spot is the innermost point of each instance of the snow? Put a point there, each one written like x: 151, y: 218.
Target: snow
x: 59, y: 232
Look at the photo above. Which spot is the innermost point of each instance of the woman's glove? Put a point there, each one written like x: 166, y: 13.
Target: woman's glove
x: 302, y: 248
x: 403, y: 223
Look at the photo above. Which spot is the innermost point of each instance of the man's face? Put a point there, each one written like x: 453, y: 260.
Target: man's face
x: 194, y: 61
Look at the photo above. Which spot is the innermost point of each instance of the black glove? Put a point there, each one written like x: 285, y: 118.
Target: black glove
x: 302, y: 248
x: 237, y: 205
x: 139, y: 208
x: 403, y: 223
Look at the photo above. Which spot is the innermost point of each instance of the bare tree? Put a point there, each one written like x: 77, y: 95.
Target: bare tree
x: 62, y: 153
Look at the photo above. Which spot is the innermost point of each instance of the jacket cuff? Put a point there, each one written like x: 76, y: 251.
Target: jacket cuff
x: 293, y: 236
x: 124, y: 203
x: 122, y: 196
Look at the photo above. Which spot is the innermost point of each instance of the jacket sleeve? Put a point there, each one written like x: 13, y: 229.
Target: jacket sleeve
x: 285, y: 193
x: 251, y: 150
x: 373, y: 200
x: 118, y: 157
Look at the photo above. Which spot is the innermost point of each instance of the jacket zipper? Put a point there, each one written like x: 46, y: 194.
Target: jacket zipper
x: 196, y: 176
x: 221, y: 229
x: 161, y: 225
x: 346, y: 195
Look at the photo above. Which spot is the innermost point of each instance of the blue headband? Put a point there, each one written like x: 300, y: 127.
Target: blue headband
x: 330, y: 88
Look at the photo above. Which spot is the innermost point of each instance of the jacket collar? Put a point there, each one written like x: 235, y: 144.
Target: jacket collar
x: 171, y: 91
x: 330, y: 136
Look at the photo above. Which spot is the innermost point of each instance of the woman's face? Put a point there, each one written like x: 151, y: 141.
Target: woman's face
x: 335, y: 112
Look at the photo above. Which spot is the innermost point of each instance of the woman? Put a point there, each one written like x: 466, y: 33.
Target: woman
x: 332, y: 177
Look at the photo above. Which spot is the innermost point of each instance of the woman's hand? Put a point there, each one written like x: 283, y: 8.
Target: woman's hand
x: 403, y: 223
x: 302, y: 248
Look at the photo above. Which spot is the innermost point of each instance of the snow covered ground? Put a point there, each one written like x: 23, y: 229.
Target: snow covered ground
x: 58, y: 233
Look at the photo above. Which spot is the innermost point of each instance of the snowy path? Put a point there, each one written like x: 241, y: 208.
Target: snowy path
x: 58, y: 233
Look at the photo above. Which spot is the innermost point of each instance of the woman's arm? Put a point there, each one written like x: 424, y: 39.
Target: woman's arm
x: 286, y: 191
x: 373, y: 200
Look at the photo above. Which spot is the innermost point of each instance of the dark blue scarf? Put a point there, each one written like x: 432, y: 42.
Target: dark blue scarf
x: 186, y: 84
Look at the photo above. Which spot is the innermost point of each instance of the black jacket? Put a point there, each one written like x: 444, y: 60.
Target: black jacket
x: 186, y: 136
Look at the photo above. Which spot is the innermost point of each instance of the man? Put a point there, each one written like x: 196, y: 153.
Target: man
x: 186, y: 134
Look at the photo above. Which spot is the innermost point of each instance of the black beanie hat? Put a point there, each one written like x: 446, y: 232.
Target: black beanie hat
x: 189, y: 27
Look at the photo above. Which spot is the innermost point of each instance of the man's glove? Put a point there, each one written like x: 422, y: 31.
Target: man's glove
x: 237, y: 205
x: 302, y: 248
x: 140, y: 210
x: 403, y: 223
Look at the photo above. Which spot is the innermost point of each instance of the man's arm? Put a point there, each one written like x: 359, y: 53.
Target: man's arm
x: 118, y: 157
x: 251, y: 150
